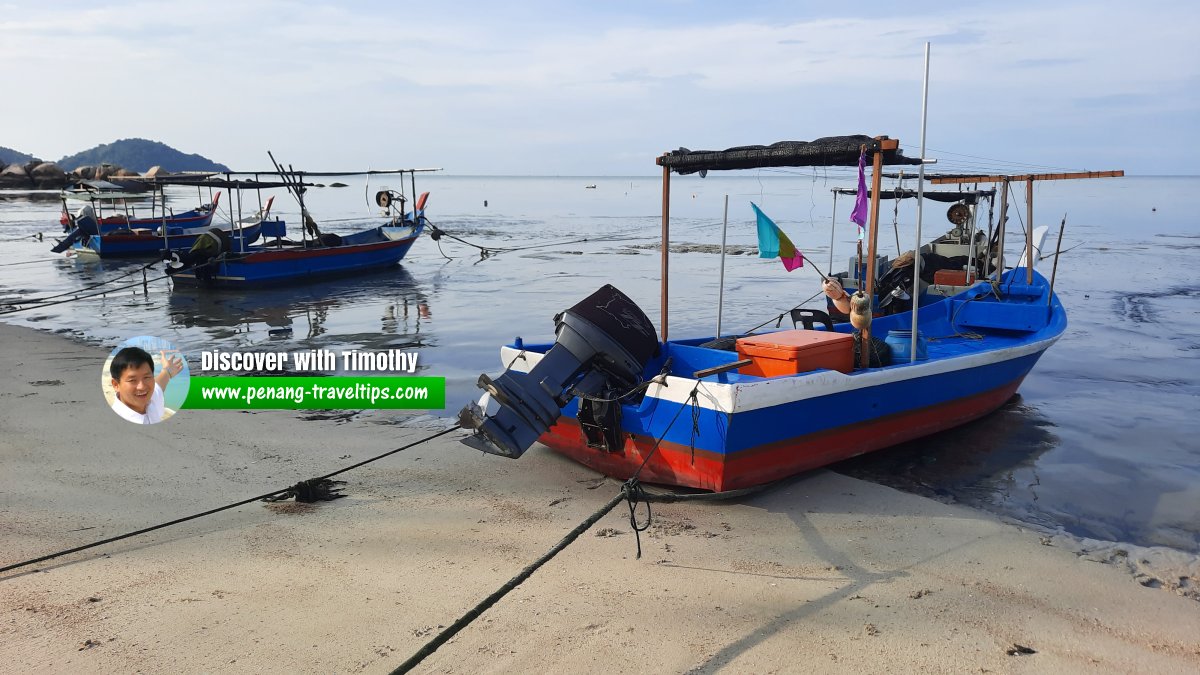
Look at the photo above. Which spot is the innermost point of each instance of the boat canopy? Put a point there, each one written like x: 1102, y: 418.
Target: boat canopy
x: 828, y: 151
x: 969, y: 197
x: 329, y: 174
x: 192, y: 181
x: 94, y: 190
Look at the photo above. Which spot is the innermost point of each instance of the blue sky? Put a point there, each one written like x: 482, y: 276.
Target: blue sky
x: 600, y: 88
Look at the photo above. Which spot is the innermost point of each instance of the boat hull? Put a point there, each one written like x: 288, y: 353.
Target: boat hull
x: 142, y: 243
x: 267, y: 265
x: 734, y: 430
x: 198, y: 218
x: 674, y: 463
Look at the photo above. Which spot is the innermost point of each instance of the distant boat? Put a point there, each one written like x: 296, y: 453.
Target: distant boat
x: 107, y: 212
x: 727, y: 412
x: 590, y: 187
x: 215, y: 261
x: 146, y: 242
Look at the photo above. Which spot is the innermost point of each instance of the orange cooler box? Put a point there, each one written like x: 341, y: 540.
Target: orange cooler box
x: 796, y: 351
x: 952, y: 278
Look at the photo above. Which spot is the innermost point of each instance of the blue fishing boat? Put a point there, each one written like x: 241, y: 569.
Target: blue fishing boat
x: 145, y: 242
x: 216, y: 261
x: 728, y: 412
x: 112, y: 209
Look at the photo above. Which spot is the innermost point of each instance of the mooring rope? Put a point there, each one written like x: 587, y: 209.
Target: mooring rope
x: 26, y: 262
x: 779, y: 319
x: 436, y: 234
x: 631, y: 491
x: 83, y: 297
x: 36, y: 236
x: 312, y: 481
x: 77, y: 291
x: 474, y: 613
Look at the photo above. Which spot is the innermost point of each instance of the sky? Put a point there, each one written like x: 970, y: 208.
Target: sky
x: 599, y: 87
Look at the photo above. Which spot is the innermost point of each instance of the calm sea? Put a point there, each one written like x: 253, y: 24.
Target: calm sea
x: 1101, y: 441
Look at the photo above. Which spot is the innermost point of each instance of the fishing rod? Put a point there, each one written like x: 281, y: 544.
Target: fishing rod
x: 296, y: 188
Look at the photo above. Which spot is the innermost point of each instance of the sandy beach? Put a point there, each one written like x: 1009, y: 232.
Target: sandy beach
x: 823, y: 574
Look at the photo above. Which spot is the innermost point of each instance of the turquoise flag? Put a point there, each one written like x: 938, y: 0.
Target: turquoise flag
x: 773, y: 242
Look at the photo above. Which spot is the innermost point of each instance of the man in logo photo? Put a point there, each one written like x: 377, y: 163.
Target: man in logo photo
x: 139, y: 393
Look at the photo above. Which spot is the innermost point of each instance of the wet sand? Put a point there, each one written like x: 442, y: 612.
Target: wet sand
x: 824, y: 574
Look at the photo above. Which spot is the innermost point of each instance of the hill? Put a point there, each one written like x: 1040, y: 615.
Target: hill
x: 10, y: 156
x: 140, y: 155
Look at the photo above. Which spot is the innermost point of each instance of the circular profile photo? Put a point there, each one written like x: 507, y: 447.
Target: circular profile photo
x: 145, y: 379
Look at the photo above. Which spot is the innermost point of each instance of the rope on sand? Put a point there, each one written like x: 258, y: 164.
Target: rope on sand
x: 298, y: 488
x: 631, y: 491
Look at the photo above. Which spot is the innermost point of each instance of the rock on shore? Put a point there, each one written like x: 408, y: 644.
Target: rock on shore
x: 39, y: 175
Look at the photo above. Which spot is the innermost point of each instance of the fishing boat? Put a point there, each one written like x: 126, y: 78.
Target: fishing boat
x: 950, y: 263
x: 722, y: 414
x: 215, y: 261
x: 111, y: 209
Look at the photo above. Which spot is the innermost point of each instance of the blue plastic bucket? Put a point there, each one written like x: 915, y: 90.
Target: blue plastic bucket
x: 901, y: 343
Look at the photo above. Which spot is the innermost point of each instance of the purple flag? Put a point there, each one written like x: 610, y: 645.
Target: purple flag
x: 859, y: 214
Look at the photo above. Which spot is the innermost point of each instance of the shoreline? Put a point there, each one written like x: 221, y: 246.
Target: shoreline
x: 824, y: 573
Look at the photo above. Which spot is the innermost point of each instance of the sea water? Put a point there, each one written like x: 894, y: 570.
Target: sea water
x: 1101, y: 440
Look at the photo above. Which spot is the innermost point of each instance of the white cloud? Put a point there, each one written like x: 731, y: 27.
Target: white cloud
x: 482, y: 88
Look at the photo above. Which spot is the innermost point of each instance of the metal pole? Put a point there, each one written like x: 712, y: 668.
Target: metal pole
x: 1003, y: 225
x: 971, y: 240
x: 987, y: 250
x: 916, y: 294
x: 1029, y: 230
x: 162, y: 191
x: 666, y: 237
x: 721, y: 287
x: 896, y: 212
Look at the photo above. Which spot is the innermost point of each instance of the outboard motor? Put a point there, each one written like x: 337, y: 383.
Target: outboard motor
x: 603, y: 342
x: 85, y: 221
x: 208, y: 246
x: 78, y: 228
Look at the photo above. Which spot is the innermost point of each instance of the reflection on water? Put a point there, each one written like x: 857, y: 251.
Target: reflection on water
x: 17, y: 196
x: 388, y: 308
x: 1100, y: 442
x: 991, y: 462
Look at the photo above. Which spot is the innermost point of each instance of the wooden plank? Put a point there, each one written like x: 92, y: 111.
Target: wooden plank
x: 872, y: 247
x: 947, y: 180
x: 721, y: 368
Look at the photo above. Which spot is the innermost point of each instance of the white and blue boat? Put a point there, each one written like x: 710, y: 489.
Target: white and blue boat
x: 734, y: 412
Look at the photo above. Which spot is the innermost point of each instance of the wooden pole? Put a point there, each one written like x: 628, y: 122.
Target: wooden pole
x: 945, y: 180
x: 873, y: 244
x: 1002, y: 225
x: 1029, y: 230
x: 666, y: 240
x: 1057, y: 252
x: 832, y: 232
